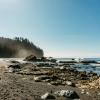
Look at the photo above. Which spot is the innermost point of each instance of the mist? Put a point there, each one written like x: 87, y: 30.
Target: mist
x: 18, y: 48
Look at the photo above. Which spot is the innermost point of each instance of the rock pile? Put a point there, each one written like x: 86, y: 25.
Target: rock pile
x: 25, y: 68
x: 68, y: 94
x: 95, y: 84
x: 56, y: 76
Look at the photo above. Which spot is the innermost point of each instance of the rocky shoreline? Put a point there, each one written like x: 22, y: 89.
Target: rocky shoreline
x: 31, y: 81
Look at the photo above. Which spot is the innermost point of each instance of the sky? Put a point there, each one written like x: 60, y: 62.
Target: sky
x: 62, y: 28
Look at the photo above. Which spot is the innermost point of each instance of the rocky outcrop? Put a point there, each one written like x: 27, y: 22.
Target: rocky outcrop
x: 35, y: 59
x: 31, y: 58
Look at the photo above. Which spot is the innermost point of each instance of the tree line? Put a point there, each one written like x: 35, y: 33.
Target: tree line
x: 18, y: 47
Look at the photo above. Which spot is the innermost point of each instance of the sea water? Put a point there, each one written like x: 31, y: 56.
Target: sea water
x: 81, y: 67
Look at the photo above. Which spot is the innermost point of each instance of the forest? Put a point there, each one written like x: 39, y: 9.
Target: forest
x: 18, y: 48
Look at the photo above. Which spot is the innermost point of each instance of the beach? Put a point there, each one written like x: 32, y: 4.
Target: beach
x: 23, y: 80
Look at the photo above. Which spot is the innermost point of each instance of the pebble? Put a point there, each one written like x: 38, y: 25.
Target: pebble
x: 69, y: 83
x: 62, y: 68
x: 83, y: 91
x: 99, y: 93
x: 37, y: 79
x: 87, y: 93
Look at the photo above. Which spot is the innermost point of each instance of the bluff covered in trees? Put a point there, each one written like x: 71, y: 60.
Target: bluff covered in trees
x: 18, y: 47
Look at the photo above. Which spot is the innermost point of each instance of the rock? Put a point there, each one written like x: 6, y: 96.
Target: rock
x: 30, y: 68
x: 41, y: 78
x: 92, y: 74
x: 15, y: 62
x: 67, y: 93
x: 63, y: 68
x: 37, y: 79
x: 10, y: 70
x: 16, y: 66
x: 44, y: 59
x: 53, y: 60
x: 47, y: 80
x: 30, y: 58
x: 95, y: 83
x: 34, y: 58
x: 83, y: 76
x: 69, y: 83
x: 55, y: 77
x: 55, y: 83
x: 48, y: 96
x: 87, y: 93
x: 86, y: 62
x: 25, y: 68
x: 83, y: 91
x: 99, y: 94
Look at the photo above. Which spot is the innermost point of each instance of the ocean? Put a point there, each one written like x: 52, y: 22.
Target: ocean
x: 81, y: 67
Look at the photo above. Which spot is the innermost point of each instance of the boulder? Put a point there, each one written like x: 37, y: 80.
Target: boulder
x: 62, y: 68
x: 69, y: 83
x: 10, y: 70
x: 14, y: 62
x: 30, y: 58
x: 48, y: 96
x: 44, y: 59
x: 83, y: 75
x: 53, y: 60
x: 37, y: 79
x: 67, y: 93
x: 92, y: 74
x: 14, y: 68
